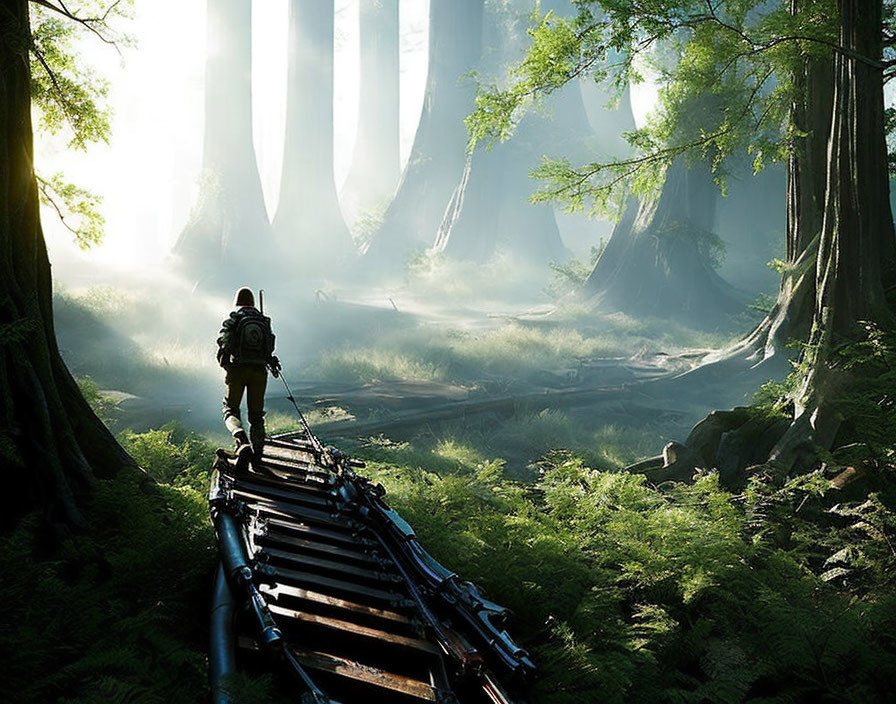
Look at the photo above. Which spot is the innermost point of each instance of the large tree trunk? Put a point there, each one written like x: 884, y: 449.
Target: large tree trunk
x: 657, y: 262
x: 52, y: 446
x: 438, y: 154
x: 490, y: 211
x: 228, y: 232
x: 309, y: 221
x: 375, y: 165
x: 857, y: 238
x: 842, y: 246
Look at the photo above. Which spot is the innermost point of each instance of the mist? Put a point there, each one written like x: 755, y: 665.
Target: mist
x: 319, y: 153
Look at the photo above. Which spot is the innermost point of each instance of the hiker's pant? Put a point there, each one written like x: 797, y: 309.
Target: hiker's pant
x: 252, y: 379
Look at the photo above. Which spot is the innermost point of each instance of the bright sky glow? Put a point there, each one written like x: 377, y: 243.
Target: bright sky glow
x: 147, y: 173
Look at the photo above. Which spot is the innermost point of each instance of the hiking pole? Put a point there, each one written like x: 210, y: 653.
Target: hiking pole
x: 328, y: 455
x: 312, y: 438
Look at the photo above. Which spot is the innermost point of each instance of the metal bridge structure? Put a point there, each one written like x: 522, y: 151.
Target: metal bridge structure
x: 323, y: 584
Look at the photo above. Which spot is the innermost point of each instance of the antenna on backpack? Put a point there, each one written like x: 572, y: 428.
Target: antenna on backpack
x: 261, y: 301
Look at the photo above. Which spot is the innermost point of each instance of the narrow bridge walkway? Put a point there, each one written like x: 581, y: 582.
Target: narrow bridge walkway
x: 321, y: 581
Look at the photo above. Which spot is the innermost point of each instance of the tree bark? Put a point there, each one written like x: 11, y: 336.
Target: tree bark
x: 791, y: 316
x: 375, y: 167
x: 309, y: 221
x: 857, y: 242
x: 52, y: 446
x: 840, y: 234
x: 228, y: 232
x: 438, y: 153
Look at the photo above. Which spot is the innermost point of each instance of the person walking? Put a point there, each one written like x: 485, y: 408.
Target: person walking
x: 246, y: 352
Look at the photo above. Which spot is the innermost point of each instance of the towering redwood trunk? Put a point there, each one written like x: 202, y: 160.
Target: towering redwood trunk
x: 857, y: 238
x: 52, y: 446
x: 309, y: 222
x: 438, y: 155
x: 490, y: 210
x: 228, y: 231
x: 841, y: 241
x: 375, y: 165
x: 656, y: 262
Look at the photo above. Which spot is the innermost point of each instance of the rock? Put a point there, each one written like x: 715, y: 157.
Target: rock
x: 704, y: 438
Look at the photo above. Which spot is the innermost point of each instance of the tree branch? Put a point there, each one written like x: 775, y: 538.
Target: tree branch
x: 93, y: 24
x: 45, y: 191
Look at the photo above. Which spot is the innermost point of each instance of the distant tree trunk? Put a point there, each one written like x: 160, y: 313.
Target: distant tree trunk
x: 490, y: 208
x: 658, y: 260
x: 308, y: 221
x: 52, y: 446
x: 438, y: 155
x: 375, y: 167
x: 228, y: 232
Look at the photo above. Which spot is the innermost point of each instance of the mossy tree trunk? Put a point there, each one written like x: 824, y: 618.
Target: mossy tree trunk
x: 228, y: 232
x: 52, y: 446
x: 308, y: 223
x: 375, y: 167
x: 489, y: 208
x: 841, y: 247
x: 438, y: 153
x: 856, y: 247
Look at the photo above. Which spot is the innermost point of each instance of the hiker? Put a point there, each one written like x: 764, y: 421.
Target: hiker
x: 246, y: 352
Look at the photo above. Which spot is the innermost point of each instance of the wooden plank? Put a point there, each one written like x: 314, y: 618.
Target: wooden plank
x: 331, y: 565
x: 286, y: 484
x: 266, y: 492
x: 283, y: 538
x: 273, y: 507
x: 321, y: 533
x: 292, y: 451
x: 277, y: 590
x: 306, y: 471
x: 320, y: 581
x: 368, y: 674
x: 355, y: 629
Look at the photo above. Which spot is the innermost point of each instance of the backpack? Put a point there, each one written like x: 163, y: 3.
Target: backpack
x: 252, y: 341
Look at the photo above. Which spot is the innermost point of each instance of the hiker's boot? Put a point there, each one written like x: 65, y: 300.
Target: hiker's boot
x: 256, y: 432
x: 243, y: 449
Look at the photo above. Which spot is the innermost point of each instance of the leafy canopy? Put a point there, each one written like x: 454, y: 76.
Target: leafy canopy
x: 70, y: 98
x: 726, y: 74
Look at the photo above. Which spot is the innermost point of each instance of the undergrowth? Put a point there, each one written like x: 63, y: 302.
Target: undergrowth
x: 622, y: 591
x: 116, y: 614
x: 626, y: 593
x: 512, y: 351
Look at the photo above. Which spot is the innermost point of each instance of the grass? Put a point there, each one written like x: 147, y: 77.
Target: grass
x: 510, y: 351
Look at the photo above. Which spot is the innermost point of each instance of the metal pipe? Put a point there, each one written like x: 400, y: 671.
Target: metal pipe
x: 222, y: 661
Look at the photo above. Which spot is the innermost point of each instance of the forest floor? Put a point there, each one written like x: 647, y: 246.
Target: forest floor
x: 514, y: 381
x: 498, y: 433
